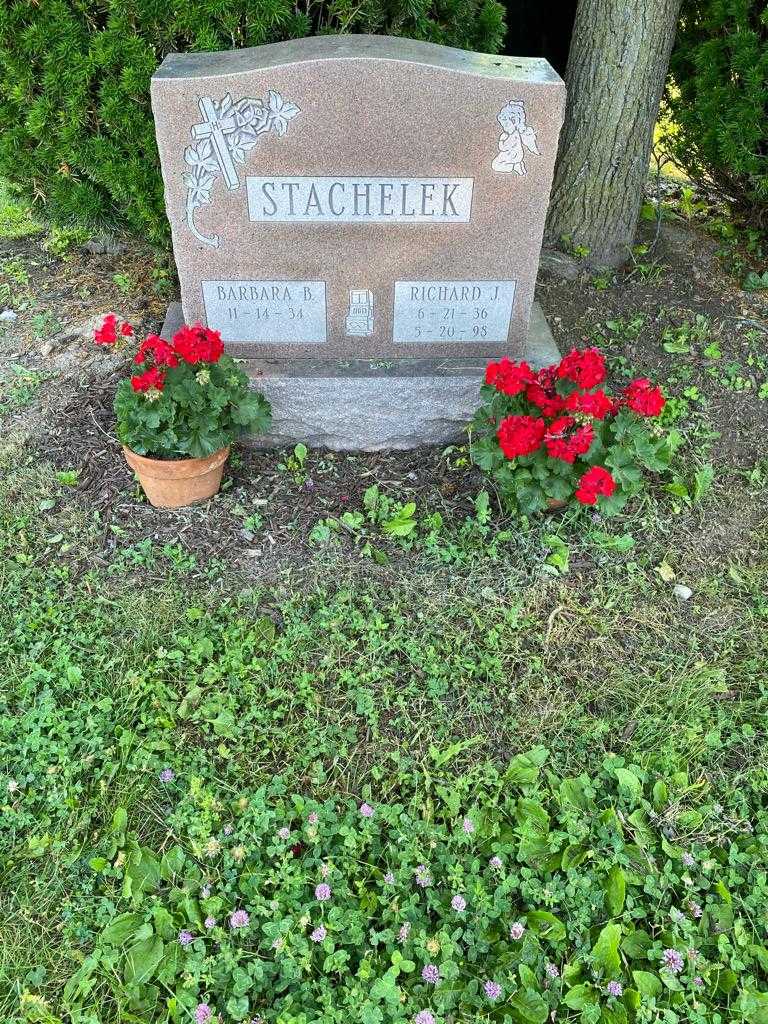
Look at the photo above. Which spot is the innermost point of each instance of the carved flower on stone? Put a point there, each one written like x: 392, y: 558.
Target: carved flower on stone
x: 280, y: 112
x: 201, y: 157
x: 235, y: 129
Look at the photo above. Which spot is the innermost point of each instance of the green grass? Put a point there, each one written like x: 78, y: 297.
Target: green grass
x: 16, y: 220
x: 339, y: 678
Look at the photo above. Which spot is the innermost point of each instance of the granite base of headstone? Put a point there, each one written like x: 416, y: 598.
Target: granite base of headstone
x: 365, y: 405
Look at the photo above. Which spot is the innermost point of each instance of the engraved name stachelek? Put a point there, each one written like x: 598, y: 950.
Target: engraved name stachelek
x: 360, y: 200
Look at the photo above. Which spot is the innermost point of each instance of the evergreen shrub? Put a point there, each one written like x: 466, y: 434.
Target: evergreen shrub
x: 78, y: 134
x: 718, y: 99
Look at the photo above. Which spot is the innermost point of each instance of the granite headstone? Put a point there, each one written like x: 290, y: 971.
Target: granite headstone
x: 361, y: 217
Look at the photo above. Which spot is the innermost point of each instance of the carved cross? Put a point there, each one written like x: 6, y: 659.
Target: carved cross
x: 215, y: 128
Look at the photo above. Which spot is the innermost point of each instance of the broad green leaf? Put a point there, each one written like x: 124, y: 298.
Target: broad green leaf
x: 632, y: 998
x: 636, y: 944
x: 580, y: 996
x: 172, y: 863
x: 163, y: 923
x: 534, y: 849
x: 647, y: 984
x: 531, y: 813
x: 119, y: 822
x: 574, y: 855
x: 722, y: 891
x: 605, y: 952
x: 629, y: 782
x: 142, y: 960
x: 546, y: 925
x: 754, y: 1006
x: 660, y: 795
x: 122, y: 928
x: 615, y: 890
x: 527, y: 1007
x: 524, y: 768
x: 527, y: 977
x: 643, y: 833
x: 727, y: 980
x: 142, y: 874
x: 575, y: 791
x: 81, y: 982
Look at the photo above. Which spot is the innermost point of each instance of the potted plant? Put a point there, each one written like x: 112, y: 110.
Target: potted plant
x: 550, y: 437
x: 178, y: 414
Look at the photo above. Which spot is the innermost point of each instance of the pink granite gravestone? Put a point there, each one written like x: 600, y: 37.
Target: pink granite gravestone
x: 361, y: 217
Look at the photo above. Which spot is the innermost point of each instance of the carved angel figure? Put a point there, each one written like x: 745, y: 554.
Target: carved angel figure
x: 516, y: 137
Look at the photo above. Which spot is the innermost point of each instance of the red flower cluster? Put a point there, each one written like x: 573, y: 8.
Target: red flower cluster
x: 151, y: 379
x: 508, y: 377
x: 543, y: 392
x: 592, y: 403
x: 595, y: 481
x: 162, y: 353
x: 642, y: 397
x: 198, y: 344
x: 108, y: 332
x: 585, y: 367
x: 193, y: 345
x: 566, y: 440
x: 566, y: 405
x: 520, y: 435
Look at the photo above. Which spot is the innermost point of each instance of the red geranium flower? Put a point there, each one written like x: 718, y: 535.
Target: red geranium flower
x: 585, y: 367
x: 508, y: 377
x: 107, y: 333
x: 592, y: 403
x: 198, y: 344
x: 162, y: 353
x: 520, y: 435
x: 563, y: 442
x: 595, y: 481
x: 643, y: 398
x: 542, y: 392
x: 152, y: 379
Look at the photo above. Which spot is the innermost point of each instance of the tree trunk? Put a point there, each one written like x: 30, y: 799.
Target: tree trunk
x: 616, y: 70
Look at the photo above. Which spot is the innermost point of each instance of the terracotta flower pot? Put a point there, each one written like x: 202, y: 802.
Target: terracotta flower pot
x: 174, y: 483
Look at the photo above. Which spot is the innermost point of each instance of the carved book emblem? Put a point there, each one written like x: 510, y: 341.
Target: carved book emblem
x: 515, y: 139
x: 226, y: 134
x: 359, y: 323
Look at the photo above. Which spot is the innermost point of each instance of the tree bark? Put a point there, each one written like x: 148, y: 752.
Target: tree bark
x: 616, y: 70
